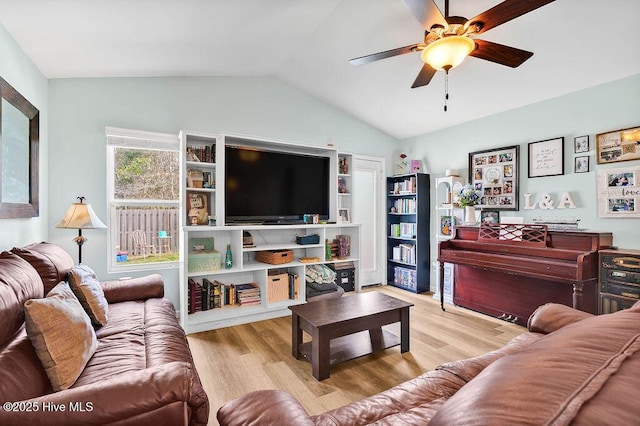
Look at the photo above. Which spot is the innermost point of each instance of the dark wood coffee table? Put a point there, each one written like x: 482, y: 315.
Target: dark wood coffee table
x: 346, y: 328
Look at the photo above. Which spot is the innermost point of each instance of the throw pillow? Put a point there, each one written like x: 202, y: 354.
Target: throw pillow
x: 86, y: 287
x: 62, y: 335
x: 50, y: 260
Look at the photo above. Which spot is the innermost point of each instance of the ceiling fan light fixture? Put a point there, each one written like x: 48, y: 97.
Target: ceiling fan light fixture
x: 447, y: 52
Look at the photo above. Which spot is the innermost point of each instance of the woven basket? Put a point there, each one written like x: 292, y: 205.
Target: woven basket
x: 274, y: 257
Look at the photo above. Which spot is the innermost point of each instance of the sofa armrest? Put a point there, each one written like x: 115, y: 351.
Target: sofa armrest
x: 118, y: 398
x: 147, y: 287
x: 264, y: 407
x: 553, y: 316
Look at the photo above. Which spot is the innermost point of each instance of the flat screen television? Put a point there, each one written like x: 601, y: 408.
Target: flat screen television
x: 274, y: 187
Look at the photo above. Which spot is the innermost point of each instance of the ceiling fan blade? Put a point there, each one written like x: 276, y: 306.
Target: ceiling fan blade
x: 424, y: 77
x: 426, y: 12
x: 382, y: 55
x: 506, y: 11
x: 500, y: 54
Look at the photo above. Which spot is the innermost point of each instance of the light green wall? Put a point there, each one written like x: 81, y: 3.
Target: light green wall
x: 260, y: 106
x: 74, y: 113
x: 18, y: 70
x: 610, y: 106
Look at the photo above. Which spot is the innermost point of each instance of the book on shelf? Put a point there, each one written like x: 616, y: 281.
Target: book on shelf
x: 201, y: 153
x: 405, y: 205
x: 195, y: 296
x: 405, y: 277
x: 294, y: 285
x: 247, y: 294
x: 405, y: 253
x: 207, y: 292
x: 403, y: 230
x: 218, y: 288
x: 406, y: 186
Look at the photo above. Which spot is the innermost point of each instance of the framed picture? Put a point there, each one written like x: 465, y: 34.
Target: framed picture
x: 197, y: 208
x: 343, y: 216
x: 581, y: 164
x: 495, y: 173
x: 581, y: 144
x: 546, y: 158
x: 446, y: 225
x: 620, y: 145
x: 619, y: 192
x: 490, y: 216
x: 415, y: 166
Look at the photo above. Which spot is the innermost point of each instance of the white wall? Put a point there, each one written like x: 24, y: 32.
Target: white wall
x: 18, y: 70
x: 610, y: 106
x: 260, y: 106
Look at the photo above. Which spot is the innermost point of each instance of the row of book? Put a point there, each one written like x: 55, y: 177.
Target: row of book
x: 407, y: 186
x: 405, y: 253
x: 405, y: 205
x: 404, y: 277
x: 215, y: 294
x: 202, y: 153
x: 403, y: 229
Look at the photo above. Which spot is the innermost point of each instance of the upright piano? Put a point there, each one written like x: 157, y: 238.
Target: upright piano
x: 507, y: 271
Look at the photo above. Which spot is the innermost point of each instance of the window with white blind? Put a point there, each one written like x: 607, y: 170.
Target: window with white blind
x: 143, y: 171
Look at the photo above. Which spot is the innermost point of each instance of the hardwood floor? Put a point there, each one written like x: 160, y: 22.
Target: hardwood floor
x: 235, y: 360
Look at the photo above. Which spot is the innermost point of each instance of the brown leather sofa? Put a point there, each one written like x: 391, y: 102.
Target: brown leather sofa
x: 570, y: 368
x: 142, y: 371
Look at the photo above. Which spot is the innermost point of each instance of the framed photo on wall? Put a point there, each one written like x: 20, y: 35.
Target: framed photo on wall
x: 581, y: 144
x: 619, y: 145
x: 546, y: 158
x: 495, y: 173
x: 581, y: 164
x: 619, y: 192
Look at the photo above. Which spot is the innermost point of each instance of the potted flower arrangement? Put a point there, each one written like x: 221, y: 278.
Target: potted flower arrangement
x: 469, y: 197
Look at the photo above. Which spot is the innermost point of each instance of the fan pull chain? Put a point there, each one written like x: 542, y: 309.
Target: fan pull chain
x: 446, y: 88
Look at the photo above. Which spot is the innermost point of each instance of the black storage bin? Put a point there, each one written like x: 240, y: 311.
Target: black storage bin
x: 345, y: 275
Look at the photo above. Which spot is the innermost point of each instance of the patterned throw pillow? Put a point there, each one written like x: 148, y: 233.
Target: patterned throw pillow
x: 86, y: 287
x: 62, y: 335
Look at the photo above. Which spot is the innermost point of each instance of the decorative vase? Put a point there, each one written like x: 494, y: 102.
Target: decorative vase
x: 470, y: 215
x: 228, y: 258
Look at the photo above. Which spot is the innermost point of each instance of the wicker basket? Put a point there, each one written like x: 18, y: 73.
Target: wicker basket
x: 274, y: 257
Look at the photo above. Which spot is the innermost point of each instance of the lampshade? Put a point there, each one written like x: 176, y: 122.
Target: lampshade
x: 80, y: 216
x: 447, y: 52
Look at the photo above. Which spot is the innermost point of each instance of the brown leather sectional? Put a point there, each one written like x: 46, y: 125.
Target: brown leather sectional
x: 141, y: 373
x: 570, y: 368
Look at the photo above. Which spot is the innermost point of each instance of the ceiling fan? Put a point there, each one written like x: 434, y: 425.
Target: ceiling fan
x: 448, y: 39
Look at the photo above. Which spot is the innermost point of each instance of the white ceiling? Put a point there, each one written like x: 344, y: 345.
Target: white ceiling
x: 577, y: 44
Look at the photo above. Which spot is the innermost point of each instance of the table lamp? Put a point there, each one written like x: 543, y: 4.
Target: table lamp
x: 80, y: 216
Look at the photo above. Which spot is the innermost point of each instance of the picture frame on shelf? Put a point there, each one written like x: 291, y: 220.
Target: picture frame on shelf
x: 546, y: 158
x: 343, y: 215
x: 581, y: 144
x: 581, y: 164
x: 197, y: 208
x: 490, y: 216
x: 446, y: 225
x: 618, y: 145
x: 496, y: 173
x: 415, y: 166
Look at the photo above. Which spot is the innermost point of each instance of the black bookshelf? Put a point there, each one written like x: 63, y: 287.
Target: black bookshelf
x: 408, y: 248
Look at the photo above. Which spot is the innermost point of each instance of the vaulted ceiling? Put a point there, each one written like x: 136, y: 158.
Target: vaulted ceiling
x: 576, y: 44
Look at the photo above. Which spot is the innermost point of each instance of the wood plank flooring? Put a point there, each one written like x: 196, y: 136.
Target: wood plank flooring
x: 235, y: 360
